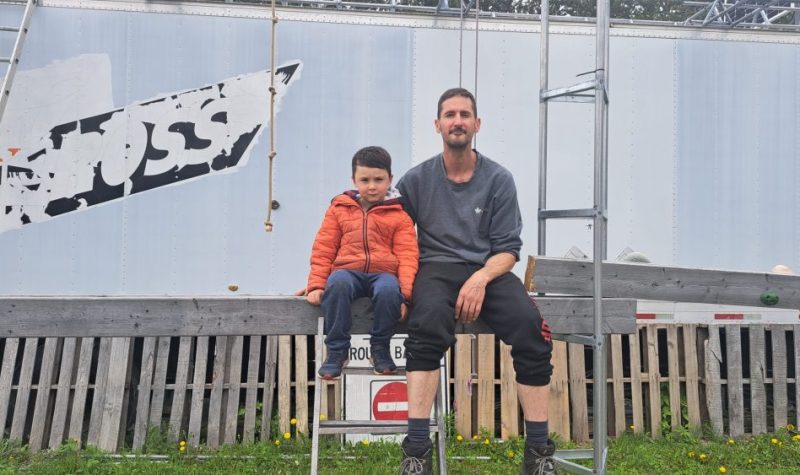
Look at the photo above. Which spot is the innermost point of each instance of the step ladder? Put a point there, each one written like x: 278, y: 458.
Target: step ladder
x: 340, y: 427
x: 12, y: 60
x: 593, y: 92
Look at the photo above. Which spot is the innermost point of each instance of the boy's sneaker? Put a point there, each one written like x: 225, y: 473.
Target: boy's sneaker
x: 381, y: 360
x: 416, y: 460
x: 539, y: 460
x: 332, y: 367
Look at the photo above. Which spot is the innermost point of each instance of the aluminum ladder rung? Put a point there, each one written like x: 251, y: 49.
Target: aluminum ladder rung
x: 590, y: 213
x: 371, y: 427
x: 585, y: 340
x: 12, y: 29
x: 5, y: 60
x: 401, y: 371
x: 573, y: 91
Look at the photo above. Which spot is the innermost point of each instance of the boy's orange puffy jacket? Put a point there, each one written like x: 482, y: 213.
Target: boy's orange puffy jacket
x: 381, y: 239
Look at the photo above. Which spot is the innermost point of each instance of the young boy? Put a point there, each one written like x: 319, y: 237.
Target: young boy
x: 366, y: 247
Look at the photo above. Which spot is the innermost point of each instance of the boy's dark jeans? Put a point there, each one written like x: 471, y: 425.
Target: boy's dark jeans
x: 343, y: 287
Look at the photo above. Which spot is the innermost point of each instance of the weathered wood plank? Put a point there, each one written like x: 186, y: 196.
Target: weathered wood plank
x: 636, y: 382
x: 558, y: 408
x: 653, y: 381
x: 177, y: 411
x: 577, y: 392
x: 301, y: 383
x: 81, y: 389
x: 463, y: 385
x: 675, y: 284
x: 284, y: 382
x: 618, y: 385
x: 509, y: 402
x: 41, y: 421
x: 232, y: 316
x: 486, y: 383
x: 779, y: 390
x: 234, y: 378
x: 23, y: 390
x: 713, y: 360
x: 99, y: 395
x: 159, y: 381
x: 797, y: 373
x: 6, y: 378
x: 268, y: 395
x: 733, y: 339
x: 59, y: 420
x: 215, y: 403
x: 758, y: 375
x: 115, y: 390
x: 143, y: 399
x: 251, y: 394
x: 674, y: 376
x: 198, y: 391
x: 692, y: 375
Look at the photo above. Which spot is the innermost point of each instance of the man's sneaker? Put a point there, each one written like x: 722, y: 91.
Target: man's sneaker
x: 416, y: 460
x: 381, y: 360
x: 332, y: 367
x: 539, y: 460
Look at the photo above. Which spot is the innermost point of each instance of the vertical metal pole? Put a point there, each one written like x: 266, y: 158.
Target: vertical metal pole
x: 544, y: 47
x: 599, y: 391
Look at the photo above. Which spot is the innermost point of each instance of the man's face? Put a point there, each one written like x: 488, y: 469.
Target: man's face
x: 457, y: 122
x: 372, y: 183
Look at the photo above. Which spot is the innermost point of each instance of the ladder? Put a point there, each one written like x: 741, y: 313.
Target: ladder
x: 594, y: 91
x: 13, y: 59
x: 320, y: 427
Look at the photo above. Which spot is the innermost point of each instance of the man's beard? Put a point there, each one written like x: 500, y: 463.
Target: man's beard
x: 458, y: 144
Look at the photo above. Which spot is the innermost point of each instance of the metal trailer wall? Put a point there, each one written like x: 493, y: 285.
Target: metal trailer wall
x: 703, y: 138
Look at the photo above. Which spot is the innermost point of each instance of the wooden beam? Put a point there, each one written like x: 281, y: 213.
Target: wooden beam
x: 673, y: 284
x: 232, y: 316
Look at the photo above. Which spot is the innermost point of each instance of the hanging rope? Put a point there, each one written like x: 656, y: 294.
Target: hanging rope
x: 268, y: 223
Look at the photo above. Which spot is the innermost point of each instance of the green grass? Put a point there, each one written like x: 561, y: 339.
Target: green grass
x: 680, y: 452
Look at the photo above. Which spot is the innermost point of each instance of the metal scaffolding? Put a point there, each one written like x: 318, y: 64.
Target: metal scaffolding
x: 594, y: 91
x: 760, y: 14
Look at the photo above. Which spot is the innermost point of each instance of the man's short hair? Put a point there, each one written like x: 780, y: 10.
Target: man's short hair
x: 372, y: 157
x: 456, y: 92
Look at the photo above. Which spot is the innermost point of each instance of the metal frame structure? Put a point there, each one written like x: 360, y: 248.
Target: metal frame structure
x: 594, y: 91
x: 13, y: 59
x: 761, y: 14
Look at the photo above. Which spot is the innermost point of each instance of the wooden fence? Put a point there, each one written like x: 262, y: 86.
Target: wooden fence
x: 217, y: 390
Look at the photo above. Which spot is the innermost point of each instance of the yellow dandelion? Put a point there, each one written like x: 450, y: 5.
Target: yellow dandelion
x: 459, y: 438
x: 277, y: 442
x: 510, y: 454
x: 702, y: 456
x: 633, y: 427
x: 485, y: 441
x: 723, y: 470
x: 780, y: 444
x: 749, y: 461
x: 796, y: 438
x: 774, y: 441
x: 323, y: 417
x: 475, y: 437
x: 731, y: 441
x: 789, y: 427
x: 293, y: 421
x: 182, y: 443
x: 287, y: 435
x: 182, y: 448
x: 365, y: 441
x: 691, y: 454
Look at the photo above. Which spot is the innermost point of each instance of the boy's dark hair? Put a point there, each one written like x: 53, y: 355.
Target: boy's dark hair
x: 456, y: 92
x: 372, y: 157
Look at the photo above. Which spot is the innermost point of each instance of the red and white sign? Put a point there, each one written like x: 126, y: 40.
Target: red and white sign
x: 390, y: 402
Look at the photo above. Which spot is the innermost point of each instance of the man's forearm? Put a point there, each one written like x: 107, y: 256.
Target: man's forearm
x: 497, y: 265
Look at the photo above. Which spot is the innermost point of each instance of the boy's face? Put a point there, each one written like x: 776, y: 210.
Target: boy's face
x: 372, y: 183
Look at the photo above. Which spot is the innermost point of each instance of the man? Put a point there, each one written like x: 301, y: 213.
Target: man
x: 468, y: 227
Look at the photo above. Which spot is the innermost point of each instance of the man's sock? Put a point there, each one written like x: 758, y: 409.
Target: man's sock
x: 419, y: 433
x: 536, y: 433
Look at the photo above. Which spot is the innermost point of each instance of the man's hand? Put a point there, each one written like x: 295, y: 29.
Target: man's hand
x: 403, y: 312
x: 315, y: 297
x: 470, y: 297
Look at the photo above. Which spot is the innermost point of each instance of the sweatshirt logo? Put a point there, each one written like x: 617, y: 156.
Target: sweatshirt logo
x: 478, y: 210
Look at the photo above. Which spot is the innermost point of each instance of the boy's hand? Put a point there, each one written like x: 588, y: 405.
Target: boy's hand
x: 403, y: 312
x: 315, y: 297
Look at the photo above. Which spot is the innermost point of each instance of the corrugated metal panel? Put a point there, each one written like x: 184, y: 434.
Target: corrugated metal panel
x: 679, y: 141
